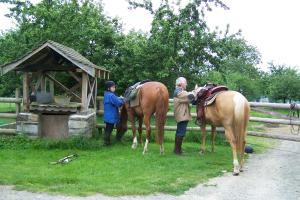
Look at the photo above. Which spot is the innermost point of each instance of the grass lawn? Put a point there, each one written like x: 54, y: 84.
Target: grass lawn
x: 7, y: 107
x: 115, y: 170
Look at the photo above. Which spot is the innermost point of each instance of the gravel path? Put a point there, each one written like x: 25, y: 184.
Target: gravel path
x: 274, y: 175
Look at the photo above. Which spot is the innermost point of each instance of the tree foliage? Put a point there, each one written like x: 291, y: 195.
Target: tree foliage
x: 178, y: 44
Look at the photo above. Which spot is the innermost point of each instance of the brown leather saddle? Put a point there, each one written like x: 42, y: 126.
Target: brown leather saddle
x: 205, y: 97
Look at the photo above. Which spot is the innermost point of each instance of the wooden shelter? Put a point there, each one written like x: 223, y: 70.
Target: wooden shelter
x: 39, y: 68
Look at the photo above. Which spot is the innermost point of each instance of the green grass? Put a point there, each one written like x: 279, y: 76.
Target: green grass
x: 6, y: 120
x: 7, y: 107
x: 116, y: 170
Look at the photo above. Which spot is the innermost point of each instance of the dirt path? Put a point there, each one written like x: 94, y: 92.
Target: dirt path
x: 274, y: 175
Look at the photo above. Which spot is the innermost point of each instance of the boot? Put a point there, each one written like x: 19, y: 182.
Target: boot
x: 107, y: 139
x: 178, y: 143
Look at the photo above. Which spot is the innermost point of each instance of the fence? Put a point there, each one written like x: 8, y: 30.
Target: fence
x: 253, y: 119
x: 17, y: 100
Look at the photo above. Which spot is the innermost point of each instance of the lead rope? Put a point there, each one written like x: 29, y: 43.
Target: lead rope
x: 294, y: 112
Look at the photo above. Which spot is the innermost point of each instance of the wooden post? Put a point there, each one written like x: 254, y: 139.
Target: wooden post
x: 18, y: 107
x: 26, y: 92
x: 84, y: 92
x: 95, y: 99
x: 43, y: 82
x: 51, y: 85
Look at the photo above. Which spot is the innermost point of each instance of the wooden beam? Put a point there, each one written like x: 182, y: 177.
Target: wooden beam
x: 75, y: 87
x: 273, y: 105
x: 95, y: 101
x: 6, y: 131
x: 90, y: 96
x: 18, y: 107
x: 43, y: 82
x: 10, y: 100
x: 78, y: 79
x: 62, y: 86
x: 84, y: 91
x: 51, y: 87
x: 8, y: 115
x: 26, y: 91
x: 39, y: 80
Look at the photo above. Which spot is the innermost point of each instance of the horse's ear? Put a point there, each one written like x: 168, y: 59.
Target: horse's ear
x: 196, y: 86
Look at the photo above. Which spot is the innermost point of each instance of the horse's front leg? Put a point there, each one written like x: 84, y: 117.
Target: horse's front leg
x: 132, y: 121
x: 148, y: 132
x: 213, y: 136
x: 203, y: 136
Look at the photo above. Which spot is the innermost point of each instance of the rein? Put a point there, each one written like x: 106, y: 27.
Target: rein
x: 292, y: 114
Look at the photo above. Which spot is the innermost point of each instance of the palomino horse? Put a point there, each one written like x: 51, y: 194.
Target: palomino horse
x: 153, y: 98
x: 231, y: 111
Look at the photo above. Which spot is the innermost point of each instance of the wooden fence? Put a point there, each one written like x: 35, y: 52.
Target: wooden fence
x: 252, y: 104
x: 253, y: 119
x: 17, y: 100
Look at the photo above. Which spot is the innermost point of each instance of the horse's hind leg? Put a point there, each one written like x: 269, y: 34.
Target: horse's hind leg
x: 140, y: 130
x: 242, y: 160
x: 132, y: 121
x: 213, y: 137
x: 148, y: 132
x: 233, y: 143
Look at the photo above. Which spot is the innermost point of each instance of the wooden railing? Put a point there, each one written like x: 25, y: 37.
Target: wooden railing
x: 17, y: 100
x: 252, y: 104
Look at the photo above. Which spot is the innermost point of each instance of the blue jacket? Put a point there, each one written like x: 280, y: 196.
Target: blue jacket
x: 111, y: 107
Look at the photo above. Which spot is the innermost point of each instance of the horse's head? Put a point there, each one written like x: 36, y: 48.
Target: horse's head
x: 196, y: 92
x: 122, y: 125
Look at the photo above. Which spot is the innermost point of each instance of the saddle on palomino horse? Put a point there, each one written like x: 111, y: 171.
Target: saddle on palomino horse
x: 205, y: 97
x: 132, y: 92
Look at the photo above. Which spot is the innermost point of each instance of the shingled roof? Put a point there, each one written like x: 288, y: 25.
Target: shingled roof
x: 39, y: 58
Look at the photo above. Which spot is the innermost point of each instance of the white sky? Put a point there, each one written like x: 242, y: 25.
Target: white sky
x: 270, y: 25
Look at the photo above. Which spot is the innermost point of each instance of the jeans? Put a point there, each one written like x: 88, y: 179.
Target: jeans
x: 181, y: 128
x: 108, y: 130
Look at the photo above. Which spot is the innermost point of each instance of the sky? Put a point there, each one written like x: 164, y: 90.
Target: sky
x: 272, y: 26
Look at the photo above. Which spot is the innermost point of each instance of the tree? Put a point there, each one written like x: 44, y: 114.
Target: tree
x: 79, y: 24
x: 284, y: 83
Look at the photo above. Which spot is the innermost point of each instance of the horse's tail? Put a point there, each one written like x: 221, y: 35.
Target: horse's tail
x: 241, y: 118
x: 162, y: 104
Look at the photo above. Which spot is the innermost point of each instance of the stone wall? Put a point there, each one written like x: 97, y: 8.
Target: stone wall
x: 82, y: 123
x: 75, y: 124
x: 28, y: 123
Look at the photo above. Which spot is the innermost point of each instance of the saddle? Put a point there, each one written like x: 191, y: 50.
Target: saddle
x: 205, y: 97
x: 132, y: 92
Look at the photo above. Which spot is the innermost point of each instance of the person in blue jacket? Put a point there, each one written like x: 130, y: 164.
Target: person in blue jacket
x: 111, y: 109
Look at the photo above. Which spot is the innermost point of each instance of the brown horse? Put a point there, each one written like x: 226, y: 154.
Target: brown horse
x: 231, y: 111
x: 153, y: 98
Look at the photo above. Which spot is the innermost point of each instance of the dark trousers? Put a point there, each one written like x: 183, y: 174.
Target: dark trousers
x: 181, y: 128
x: 108, y: 130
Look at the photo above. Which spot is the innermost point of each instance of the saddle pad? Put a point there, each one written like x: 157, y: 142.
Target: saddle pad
x: 212, y: 100
x: 135, y: 101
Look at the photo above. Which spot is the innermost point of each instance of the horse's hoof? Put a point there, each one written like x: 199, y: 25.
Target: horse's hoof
x: 133, y: 146
x: 241, y: 170
x: 235, y: 173
x: 201, y: 152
